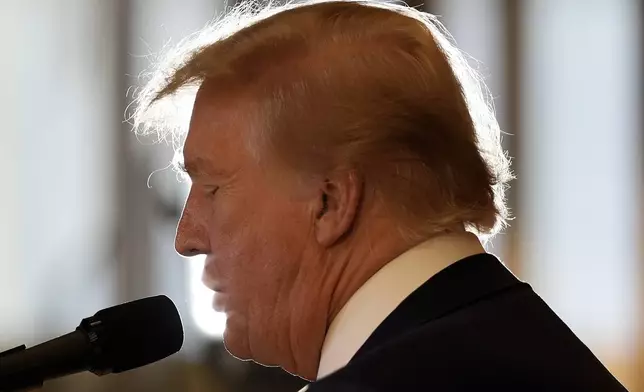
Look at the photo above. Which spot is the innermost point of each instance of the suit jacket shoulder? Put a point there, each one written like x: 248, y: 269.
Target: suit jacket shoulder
x: 472, y: 326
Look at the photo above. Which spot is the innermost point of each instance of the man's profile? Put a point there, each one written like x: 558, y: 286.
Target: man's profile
x: 346, y: 166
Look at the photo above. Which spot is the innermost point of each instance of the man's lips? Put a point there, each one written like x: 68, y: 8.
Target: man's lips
x: 219, y: 298
x: 211, y: 282
x: 209, y: 275
x: 219, y: 302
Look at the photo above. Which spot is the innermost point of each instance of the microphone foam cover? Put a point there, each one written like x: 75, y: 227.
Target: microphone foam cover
x: 136, y: 333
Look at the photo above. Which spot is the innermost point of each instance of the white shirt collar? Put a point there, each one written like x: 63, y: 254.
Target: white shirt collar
x: 384, y: 291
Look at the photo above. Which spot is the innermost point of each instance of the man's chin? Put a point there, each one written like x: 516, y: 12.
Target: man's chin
x: 236, y: 341
x: 235, y: 346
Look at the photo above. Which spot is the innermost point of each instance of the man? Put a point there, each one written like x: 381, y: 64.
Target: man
x: 345, y: 168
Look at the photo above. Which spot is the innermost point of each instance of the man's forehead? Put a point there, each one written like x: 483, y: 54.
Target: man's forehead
x: 213, y: 148
x: 219, y: 111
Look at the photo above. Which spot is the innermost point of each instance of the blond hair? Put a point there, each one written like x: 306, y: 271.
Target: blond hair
x: 377, y: 87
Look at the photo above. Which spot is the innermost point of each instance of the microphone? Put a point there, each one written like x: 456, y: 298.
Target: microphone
x: 114, y: 340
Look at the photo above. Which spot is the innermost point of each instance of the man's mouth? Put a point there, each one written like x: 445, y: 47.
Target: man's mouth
x: 211, y: 282
x: 219, y: 302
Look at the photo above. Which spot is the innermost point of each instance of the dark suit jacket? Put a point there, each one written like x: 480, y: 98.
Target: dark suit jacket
x: 474, y: 327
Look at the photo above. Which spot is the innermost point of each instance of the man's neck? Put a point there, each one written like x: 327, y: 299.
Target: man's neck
x: 362, y: 305
x: 358, y: 264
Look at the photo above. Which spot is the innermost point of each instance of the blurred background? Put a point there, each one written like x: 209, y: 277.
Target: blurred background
x: 88, y: 211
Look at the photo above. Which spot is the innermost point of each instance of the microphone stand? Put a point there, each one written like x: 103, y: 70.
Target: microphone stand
x: 22, y: 383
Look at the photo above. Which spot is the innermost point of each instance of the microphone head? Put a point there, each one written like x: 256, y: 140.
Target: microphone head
x: 133, y: 334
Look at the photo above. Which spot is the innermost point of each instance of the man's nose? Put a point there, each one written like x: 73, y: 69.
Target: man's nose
x: 191, y: 239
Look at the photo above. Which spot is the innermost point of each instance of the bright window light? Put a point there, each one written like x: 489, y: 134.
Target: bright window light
x: 211, y: 323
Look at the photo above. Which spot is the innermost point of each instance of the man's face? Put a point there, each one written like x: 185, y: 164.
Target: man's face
x: 262, y: 259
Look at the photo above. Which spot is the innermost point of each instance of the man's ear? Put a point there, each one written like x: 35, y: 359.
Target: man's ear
x: 337, y: 206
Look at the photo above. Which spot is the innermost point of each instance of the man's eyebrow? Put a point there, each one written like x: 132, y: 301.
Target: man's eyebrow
x: 190, y: 167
